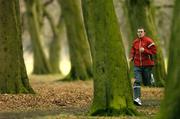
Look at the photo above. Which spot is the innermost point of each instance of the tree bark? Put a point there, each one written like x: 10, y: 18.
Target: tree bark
x: 112, y: 87
x: 141, y: 14
x: 41, y: 65
x: 54, y: 50
x: 170, y: 106
x: 13, y: 75
x: 81, y: 66
x: 88, y: 21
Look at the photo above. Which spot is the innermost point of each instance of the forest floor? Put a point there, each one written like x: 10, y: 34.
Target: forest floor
x: 56, y: 99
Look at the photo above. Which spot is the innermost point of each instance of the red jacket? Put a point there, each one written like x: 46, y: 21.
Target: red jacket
x: 143, y: 58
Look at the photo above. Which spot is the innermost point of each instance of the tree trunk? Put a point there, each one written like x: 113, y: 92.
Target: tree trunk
x: 13, y: 76
x: 170, y: 107
x: 88, y: 21
x: 141, y: 14
x: 41, y: 65
x: 54, y: 50
x: 112, y: 87
x: 79, y: 48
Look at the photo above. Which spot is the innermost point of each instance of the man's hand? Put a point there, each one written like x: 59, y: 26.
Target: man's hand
x: 141, y: 49
x: 130, y: 59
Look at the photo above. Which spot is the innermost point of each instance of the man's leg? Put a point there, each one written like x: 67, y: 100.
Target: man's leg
x: 146, y: 76
x: 137, y: 85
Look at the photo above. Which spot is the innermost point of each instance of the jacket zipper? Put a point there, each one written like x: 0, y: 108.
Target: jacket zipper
x: 140, y: 53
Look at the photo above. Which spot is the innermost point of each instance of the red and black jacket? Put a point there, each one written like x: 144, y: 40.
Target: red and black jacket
x: 143, y: 58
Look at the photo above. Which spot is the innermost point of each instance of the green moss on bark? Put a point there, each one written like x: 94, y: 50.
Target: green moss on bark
x: 114, y: 112
x: 112, y: 87
x: 170, y: 106
x: 88, y: 21
x: 13, y: 76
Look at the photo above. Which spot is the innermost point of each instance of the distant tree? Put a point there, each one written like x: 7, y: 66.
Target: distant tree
x: 170, y: 106
x: 141, y: 13
x: 88, y: 21
x: 55, y: 47
x: 112, y: 86
x: 81, y: 66
x: 35, y: 19
x: 13, y: 76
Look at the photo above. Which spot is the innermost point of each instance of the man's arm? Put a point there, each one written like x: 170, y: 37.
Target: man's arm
x: 151, y: 49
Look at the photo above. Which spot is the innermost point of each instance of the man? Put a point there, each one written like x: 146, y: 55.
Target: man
x: 141, y: 53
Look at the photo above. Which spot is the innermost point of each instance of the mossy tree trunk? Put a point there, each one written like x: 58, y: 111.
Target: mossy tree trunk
x: 55, y: 47
x: 13, y: 75
x: 88, y: 21
x: 141, y: 14
x: 81, y: 66
x: 170, y: 107
x: 41, y: 65
x: 112, y: 87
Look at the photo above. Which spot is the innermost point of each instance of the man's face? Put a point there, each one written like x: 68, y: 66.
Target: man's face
x: 140, y: 33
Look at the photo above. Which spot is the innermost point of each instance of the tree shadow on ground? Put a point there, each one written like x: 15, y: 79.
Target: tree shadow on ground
x: 41, y: 113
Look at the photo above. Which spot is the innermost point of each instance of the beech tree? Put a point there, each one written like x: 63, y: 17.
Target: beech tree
x: 112, y: 87
x: 35, y: 19
x: 13, y: 75
x: 81, y: 65
x: 170, y: 106
x: 55, y: 45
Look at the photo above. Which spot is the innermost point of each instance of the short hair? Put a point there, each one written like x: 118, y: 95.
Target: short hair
x: 141, y: 28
